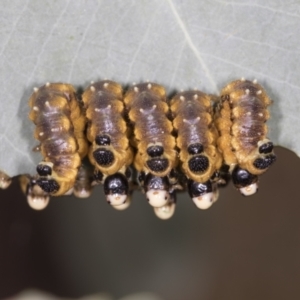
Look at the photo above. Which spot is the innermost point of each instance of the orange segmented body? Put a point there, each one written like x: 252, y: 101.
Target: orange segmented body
x: 241, y: 120
x: 196, y: 135
x: 107, y: 130
x: 147, y: 111
x: 60, y: 127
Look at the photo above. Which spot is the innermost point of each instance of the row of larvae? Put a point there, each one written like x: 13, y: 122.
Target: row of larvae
x: 240, y: 119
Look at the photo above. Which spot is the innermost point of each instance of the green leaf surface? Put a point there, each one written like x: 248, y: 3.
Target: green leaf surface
x: 180, y: 44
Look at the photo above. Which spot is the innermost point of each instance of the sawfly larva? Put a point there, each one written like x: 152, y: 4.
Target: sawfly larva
x: 241, y: 120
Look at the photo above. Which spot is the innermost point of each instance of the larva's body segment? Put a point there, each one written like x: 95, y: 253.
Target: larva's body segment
x: 196, y: 140
x: 196, y: 135
x: 59, y: 128
x: 110, y: 152
x: 241, y: 120
x: 156, y: 156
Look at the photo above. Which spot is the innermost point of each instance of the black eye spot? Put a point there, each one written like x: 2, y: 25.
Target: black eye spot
x: 196, y: 148
x: 266, y: 148
x: 102, y: 140
x: 166, y: 198
x: 103, y: 157
x: 198, y: 164
x: 158, y: 164
x: 48, y: 185
x: 43, y: 170
x: 264, y: 163
x: 155, y: 151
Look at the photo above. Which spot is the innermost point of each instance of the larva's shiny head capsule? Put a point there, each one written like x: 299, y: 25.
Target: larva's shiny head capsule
x: 244, y: 181
x: 116, y: 189
x: 156, y: 189
x: 167, y: 211
x: 202, y: 193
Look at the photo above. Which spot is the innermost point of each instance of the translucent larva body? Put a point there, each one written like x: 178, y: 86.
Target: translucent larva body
x: 110, y: 152
x: 37, y: 198
x: 60, y: 129
x: 167, y: 211
x: 196, y: 139
x: 241, y: 120
x: 5, y: 180
x: 153, y: 139
x: 83, y: 183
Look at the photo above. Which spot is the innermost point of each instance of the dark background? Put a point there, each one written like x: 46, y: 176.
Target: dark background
x: 241, y: 248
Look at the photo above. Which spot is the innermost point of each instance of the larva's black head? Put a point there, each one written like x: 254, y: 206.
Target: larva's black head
x: 116, y: 189
x: 156, y: 189
x: 48, y: 185
x: 155, y: 182
x: 244, y: 181
x: 102, y: 140
x: 103, y: 157
x: 43, y: 170
x: 201, y: 193
x: 198, y: 164
x: 195, y: 148
x: 155, y: 151
x: 158, y: 165
x: 263, y: 163
x: 266, y: 148
x: 196, y: 189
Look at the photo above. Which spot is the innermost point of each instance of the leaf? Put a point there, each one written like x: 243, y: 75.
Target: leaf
x: 180, y: 44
